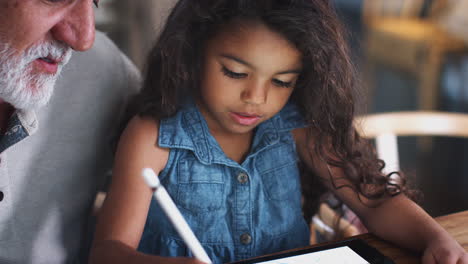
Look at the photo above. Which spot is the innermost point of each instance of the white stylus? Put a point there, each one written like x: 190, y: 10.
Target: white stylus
x: 174, y: 215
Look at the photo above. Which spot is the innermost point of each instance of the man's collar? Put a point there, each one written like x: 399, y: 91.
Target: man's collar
x: 21, y: 125
x: 28, y: 120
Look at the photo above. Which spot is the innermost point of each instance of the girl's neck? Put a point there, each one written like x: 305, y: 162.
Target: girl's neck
x: 235, y: 146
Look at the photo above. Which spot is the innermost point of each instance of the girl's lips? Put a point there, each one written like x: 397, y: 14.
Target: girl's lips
x: 245, y: 119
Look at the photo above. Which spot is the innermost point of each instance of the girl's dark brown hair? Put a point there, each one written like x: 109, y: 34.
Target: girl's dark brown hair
x: 324, y: 91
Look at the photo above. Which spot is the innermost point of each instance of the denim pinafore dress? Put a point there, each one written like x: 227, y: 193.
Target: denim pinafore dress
x: 237, y: 211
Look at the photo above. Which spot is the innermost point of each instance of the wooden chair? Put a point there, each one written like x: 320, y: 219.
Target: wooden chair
x: 384, y: 129
x: 324, y: 222
x: 396, y: 36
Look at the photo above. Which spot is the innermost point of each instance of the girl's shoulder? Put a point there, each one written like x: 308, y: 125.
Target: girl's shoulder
x: 139, y: 142
x: 142, y: 128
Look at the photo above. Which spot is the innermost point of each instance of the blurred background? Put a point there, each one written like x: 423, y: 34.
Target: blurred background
x: 409, y: 54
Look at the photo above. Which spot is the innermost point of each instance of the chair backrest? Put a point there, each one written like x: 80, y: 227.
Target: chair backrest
x: 385, y: 128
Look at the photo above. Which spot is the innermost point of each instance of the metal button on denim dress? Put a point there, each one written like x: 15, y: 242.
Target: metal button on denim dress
x: 237, y: 211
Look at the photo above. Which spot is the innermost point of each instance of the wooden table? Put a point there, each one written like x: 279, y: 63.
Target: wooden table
x: 456, y: 224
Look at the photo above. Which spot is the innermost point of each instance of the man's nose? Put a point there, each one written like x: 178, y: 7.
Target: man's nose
x: 77, y: 27
x: 255, y: 93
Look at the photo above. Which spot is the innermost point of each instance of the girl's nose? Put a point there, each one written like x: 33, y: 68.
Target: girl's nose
x: 255, y: 93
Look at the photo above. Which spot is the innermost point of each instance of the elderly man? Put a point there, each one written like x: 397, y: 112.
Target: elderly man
x: 53, y: 156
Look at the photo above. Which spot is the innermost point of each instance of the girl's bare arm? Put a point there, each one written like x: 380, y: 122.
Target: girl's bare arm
x: 396, y: 219
x: 122, y: 218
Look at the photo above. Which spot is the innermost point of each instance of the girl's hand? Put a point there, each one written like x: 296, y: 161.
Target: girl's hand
x: 445, y: 251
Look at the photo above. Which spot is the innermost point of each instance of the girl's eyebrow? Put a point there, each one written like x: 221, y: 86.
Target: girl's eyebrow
x: 234, y: 58
x: 238, y: 60
x: 295, y: 71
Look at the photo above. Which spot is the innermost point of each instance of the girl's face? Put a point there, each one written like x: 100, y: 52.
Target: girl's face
x: 249, y: 73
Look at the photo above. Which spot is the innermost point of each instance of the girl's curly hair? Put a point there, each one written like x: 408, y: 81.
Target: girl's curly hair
x: 324, y: 90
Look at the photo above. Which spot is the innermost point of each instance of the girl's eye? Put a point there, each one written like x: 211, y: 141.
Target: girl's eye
x: 282, y: 84
x: 231, y: 74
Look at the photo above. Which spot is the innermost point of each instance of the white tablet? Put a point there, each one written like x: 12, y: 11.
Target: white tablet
x: 353, y: 251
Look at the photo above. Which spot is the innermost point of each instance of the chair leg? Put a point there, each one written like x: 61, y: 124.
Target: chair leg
x: 369, y: 84
x: 429, y: 90
x: 429, y: 80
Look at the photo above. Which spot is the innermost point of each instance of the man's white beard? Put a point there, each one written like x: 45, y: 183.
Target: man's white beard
x: 19, y: 85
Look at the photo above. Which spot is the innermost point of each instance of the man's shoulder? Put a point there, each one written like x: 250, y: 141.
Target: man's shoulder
x: 105, y: 50
x: 102, y: 41
x: 104, y: 64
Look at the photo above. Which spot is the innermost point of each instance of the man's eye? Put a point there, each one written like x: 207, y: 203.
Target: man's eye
x: 231, y: 74
x: 95, y: 2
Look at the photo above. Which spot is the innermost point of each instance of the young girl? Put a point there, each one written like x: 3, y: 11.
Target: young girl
x: 237, y: 93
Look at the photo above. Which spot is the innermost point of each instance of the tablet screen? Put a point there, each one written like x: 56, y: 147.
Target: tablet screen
x: 351, y: 251
x: 340, y: 255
